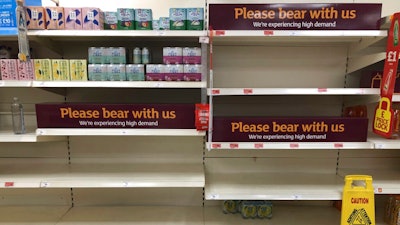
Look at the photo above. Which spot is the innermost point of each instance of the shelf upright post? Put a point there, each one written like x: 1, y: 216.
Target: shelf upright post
x: 210, y: 100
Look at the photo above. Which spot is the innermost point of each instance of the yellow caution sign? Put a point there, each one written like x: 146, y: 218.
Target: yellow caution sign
x: 358, y: 203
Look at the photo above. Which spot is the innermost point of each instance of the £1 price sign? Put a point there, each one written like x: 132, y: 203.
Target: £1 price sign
x: 383, y: 119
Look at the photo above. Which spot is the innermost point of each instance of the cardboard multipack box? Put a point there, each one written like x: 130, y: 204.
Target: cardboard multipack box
x: 8, y: 69
x: 73, y: 18
x: 93, y: 19
x: 25, y: 70
x: 35, y: 18
x: 55, y: 19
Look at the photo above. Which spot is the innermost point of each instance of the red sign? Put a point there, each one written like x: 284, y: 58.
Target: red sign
x: 308, y: 16
x: 383, y: 120
x: 157, y: 116
x: 290, y: 129
x: 202, y: 116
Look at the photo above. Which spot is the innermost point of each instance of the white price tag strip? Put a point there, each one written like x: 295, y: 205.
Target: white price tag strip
x: 233, y: 145
x: 379, y: 146
x: 9, y: 184
x: 204, y: 40
x: 215, y: 145
x: 44, y: 184
x: 161, y: 33
x: 258, y: 145
x: 2, y: 83
x: 294, y: 145
x: 338, y: 145
x: 297, y: 197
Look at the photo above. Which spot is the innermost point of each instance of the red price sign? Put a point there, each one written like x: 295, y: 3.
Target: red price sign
x: 383, y: 119
x: 202, y: 116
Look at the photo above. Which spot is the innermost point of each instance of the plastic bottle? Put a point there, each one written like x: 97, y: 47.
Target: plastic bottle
x: 17, y: 117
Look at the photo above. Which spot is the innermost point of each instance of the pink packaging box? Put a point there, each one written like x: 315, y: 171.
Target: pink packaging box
x: 191, y: 55
x: 192, y: 72
x: 172, y: 55
x: 174, y: 72
x: 155, y: 72
x: 8, y: 69
x: 73, y: 18
x: 93, y: 19
x: 35, y: 18
x: 54, y: 18
x: 25, y: 70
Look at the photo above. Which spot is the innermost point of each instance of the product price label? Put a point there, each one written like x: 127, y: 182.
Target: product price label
x: 383, y: 120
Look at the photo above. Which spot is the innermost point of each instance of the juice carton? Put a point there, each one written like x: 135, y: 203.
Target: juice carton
x: 192, y: 72
x: 60, y: 68
x: 110, y: 21
x: 78, y: 69
x: 174, y: 72
x: 97, y: 72
x: 155, y: 72
x: 177, y: 18
x: 143, y: 19
x: 117, y: 55
x: 116, y: 72
x: 25, y: 70
x: 195, y: 19
x: 93, y: 19
x: 73, y: 18
x: 35, y: 18
x: 191, y: 55
x: 135, y: 72
x: 98, y: 55
x: 126, y: 19
x: 43, y: 70
x: 156, y: 25
x: 172, y: 55
x: 8, y: 69
x: 54, y: 17
x: 164, y: 23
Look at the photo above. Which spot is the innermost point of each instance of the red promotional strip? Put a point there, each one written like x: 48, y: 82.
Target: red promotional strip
x: 383, y: 119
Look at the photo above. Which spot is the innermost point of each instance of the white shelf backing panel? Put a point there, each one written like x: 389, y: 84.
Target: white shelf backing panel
x: 141, y: 215
x: 272, y: 179
x: 116, y: 132
x: 119, y: 84
x: 155, y: 196
x: 381, y: 164
x: 25, y: 215
x: 241, y: 66
x: 281, y: 215
x: 136, y: 150
x: 383, y: 181
x: 293, y: 91
x: 99, y: 175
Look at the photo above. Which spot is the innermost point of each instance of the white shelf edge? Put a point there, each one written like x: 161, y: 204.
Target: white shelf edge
x: 116, y: 132
x: 15, y: 83
x: 120, y: 84
x: 289, y: 145
x: 293, y: 91
x: 102, y: 176
x: 300, y: 33
x: 116, y: 33
x: 273, y: 186
x: 9, y: 136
